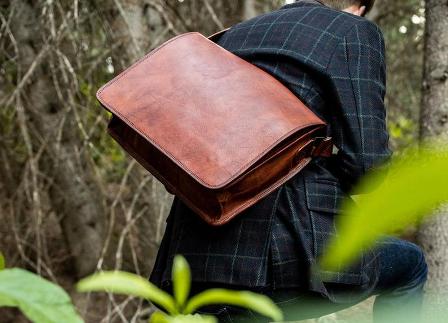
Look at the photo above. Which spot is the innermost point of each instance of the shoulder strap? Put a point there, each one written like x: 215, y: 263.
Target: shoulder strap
x: 216, y: 36
x: 322, y: 147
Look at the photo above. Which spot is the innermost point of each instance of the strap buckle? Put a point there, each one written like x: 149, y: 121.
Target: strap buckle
x: 322, y: 147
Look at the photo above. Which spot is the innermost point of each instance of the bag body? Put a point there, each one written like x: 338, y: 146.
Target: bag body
x: 217, y: 131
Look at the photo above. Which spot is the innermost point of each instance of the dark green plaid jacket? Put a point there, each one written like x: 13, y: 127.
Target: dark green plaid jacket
x: 335, y: 63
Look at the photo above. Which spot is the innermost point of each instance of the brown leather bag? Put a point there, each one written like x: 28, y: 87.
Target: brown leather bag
x: 217, y: 131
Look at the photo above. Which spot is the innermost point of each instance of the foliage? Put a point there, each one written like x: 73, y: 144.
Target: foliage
x: 2, y: 262
x: 252, y: 301
x: 179, y: 307
x: 408, y: 189
x: 44, y: 302
x: 129, y: 284
x: 403, y: 131
x: 402, y: 23
x: 159, y: 317
x: 181, y: 281
x: 40, y: 300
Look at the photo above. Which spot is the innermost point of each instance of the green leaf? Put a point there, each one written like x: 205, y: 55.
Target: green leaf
x: 40, y: 300
x: 129, y: 284
x: 256, y: 302
x: 159, y: 317
x: 413, y: 185
x: 2, y: 262
x: 181, y: 280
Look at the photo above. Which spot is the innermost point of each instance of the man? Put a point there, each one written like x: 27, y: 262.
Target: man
x: 333, y: 59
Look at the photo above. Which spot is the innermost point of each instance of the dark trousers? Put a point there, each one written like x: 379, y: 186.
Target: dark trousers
x: 399, y: 291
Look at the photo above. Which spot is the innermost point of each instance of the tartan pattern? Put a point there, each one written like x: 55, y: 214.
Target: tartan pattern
x: 335, y: 63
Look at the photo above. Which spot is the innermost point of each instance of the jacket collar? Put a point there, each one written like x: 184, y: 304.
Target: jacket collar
x: 300, y: 3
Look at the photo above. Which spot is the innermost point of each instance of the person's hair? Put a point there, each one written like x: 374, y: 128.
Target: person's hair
x: 342, y: 4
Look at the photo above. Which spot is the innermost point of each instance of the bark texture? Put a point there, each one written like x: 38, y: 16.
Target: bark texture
x: 250, y: 9
x: 433, y: 234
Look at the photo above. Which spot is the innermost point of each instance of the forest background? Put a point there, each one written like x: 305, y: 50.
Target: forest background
x: 72, y: 201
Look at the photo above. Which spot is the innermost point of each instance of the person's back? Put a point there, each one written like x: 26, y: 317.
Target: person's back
x: 334, y: 61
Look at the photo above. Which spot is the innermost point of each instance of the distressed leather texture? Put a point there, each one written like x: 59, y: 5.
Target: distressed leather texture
x: 217, y: 131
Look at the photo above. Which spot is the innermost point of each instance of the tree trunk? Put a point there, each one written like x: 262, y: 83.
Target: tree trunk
x: 250, y: 9
x: 433, y: 234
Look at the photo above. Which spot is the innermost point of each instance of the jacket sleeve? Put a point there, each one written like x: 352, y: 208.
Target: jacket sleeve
x: 357, y: 72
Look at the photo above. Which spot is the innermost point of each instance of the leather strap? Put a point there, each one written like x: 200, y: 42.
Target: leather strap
x: 323, y: 147
x: 216, y: 36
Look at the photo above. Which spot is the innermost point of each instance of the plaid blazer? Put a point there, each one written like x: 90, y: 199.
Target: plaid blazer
x: 335, y: 63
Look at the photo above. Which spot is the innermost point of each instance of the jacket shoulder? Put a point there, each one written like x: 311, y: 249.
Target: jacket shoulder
x: 336, y: 21
x: 366, y: 29
x: 300, y: 26
x: 368, y: 35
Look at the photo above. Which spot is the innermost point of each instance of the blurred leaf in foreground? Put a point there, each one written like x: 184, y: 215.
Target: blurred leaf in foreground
x: 181, y: 280
x: 159, y: 317
x: 256, y: 302
x: 2, y: 262
x: 411, y: 187
x: 179, y: 307
x: 128, y: 284
x: 40, y: 300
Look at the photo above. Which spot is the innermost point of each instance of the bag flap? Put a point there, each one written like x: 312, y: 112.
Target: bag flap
x: 211, y: 112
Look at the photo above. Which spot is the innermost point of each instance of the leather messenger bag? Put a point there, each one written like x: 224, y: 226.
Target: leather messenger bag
x: 217, y: 131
